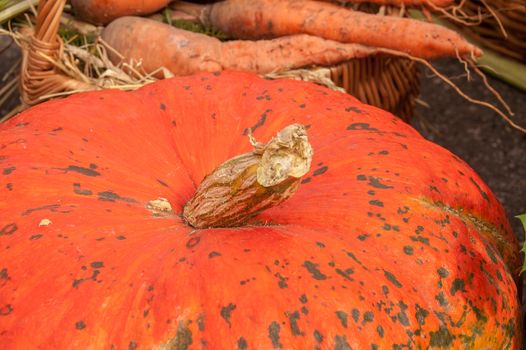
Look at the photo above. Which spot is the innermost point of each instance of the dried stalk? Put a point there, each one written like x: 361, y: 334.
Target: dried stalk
x: 13, y: 9
x: 245, y: 185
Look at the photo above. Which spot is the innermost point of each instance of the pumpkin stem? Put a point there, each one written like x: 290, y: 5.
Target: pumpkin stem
x: 247, y: 184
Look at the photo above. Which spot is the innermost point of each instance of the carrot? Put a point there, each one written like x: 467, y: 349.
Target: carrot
x: 183, y: 52
x: 416, y: 3
x: 104, y: 11
x: 255, y: 19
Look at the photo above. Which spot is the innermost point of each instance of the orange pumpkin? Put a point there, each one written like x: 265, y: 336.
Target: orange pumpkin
x: 390, y: 242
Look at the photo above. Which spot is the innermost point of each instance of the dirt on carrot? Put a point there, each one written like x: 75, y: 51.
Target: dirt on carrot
x: 257, y: 19
x: 182, y: 52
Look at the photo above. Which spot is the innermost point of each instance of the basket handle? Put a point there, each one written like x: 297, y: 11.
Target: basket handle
x: 40, y: 75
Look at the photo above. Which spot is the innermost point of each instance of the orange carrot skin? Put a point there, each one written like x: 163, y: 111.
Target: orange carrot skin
x: 104, y: 11
x: 255, y: 19
x: 288, y: 52
x: 182, y: 52
x: 415, y: 3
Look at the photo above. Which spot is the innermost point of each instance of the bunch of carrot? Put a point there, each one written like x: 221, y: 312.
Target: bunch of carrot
x: 271, y: 35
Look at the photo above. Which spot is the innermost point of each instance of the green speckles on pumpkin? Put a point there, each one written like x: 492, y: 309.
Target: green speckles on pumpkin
x: 317, y: 336
x: 444, y: 222
x: 389, y: 227
x: 8, y: 229
x: 363, y: 236
x: 376, y: 183
x: 145, y: 313
x: 304, y: 310
x: 421, y: 314
x: 201, y: 322
x: 97, y: 264
x: 420, y: 239
x: 352, y: 256
x: 4, y: 275
x: 9, y: 170
x: 340, y: 343
x: 226, y: 313
x: 259, y: 123
x: 360, y: 126
x: 55, y: 208
x: 403, y: 210
x: 213, y: 254
x: 443, y: 272
x: 242, y: 344
x: 433, y: 188
x: 282, y: 281
x: 320, y: 244
x: 457, y: 285
x: 355, y: 315
x: 110, y: 196
x: 376, y: 202
x: 81, y: 191
x: 342, y: 316
x: 441, y: 338
x: 408, y: 250
x: 345, y: 273
x: 491, y: 254
x: 81, y: 170
x: 368, y: 317
x: 273, y: 334
x: 320, y: 170
x: 482, y: 193
x: 509, y: 330
x: 193, y: 242
x: 441, y: 298
x: 402, y: 315
x: 380, y: 331
x: 293, y: 321
x: 385, y: 289
x: 481, y: 317
x: 183, y: 338
x: 314, y: 271
x: 499, y: 276
x: 392, y: 278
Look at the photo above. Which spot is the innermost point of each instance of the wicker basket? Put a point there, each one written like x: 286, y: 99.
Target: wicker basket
x: 39, y: 76
x: 386, y: 82
x: 512, y: 16
x: 390, y: 83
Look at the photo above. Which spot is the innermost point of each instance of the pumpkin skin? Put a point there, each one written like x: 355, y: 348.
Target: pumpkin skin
x: 391, y: 242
